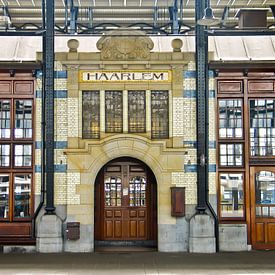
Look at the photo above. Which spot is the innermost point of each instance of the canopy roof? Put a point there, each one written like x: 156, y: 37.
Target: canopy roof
x: 95, y: 16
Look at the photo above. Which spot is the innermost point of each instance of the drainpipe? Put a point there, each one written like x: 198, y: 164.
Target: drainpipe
x: 42, y: 190
x: 202, y: 110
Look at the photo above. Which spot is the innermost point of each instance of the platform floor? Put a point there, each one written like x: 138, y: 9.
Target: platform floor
x: 254, y: 262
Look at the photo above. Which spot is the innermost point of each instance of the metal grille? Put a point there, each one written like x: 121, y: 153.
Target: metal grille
x: 262, y: 127
x: 90, y: 114
x: 159, y: 114
x: 113, y: 112
x: 136, y: 111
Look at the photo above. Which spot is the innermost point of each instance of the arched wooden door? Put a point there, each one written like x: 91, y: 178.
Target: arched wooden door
x: 263, y: 207
x: 125, y: 202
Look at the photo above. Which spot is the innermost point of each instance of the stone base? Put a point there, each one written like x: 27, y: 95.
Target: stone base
x: 84, y: 244
x: 202, y: 234
x: 19, y: 249
x: 49, y: 234
x: 233, y: 237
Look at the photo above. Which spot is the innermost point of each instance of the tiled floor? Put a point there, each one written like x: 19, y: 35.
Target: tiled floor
x: 255, y: 262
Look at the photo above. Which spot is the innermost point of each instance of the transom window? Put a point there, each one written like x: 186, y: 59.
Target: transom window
x: 115, y: 115
x: 262, y: 127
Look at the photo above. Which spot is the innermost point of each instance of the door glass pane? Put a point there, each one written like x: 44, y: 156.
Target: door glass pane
x: 4, y: 195
x: 5, y: 116
x: 231, y: 195
x: 23, y: 119
x: 22, y: 195
x: 265, y: 187
x: 112, y: 191
x: 137, y: 191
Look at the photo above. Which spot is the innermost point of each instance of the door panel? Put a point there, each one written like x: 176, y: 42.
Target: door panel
x: 124, y: 209
x: 262, y: 185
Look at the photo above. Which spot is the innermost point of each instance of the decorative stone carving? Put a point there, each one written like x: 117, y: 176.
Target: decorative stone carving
x: 73, y: 44
x: 125, y: 45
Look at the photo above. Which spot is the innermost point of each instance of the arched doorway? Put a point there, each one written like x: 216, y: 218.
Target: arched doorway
x: 125, y: 204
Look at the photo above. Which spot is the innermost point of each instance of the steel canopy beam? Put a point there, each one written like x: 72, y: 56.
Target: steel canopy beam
x: 201, y: 108
x: 48, y: 44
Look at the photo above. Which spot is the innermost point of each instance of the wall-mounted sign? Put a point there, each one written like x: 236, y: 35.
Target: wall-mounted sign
x: 125, y: 76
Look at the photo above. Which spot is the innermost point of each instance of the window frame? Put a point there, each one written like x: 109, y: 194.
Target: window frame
x: 232, y: 218
x: 20, y: 88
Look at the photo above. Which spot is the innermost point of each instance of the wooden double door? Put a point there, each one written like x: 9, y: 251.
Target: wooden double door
x: 125, y: 202
x: 262, y: 184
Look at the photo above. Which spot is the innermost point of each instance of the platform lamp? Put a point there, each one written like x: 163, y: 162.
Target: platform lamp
x: 208, y: 18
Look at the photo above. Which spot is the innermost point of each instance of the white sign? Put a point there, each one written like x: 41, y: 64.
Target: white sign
x: 125, y: 76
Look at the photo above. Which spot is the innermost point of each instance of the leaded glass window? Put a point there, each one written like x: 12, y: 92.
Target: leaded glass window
x: 231, y: 154
x: 262, y: 127
x: 5, y: 119
x: 230, y: 118
x: 159, y: 114
x: 136, y: 111
x: 91, y: 114
x: 23, y: 119
x: 231, y: 195
x: 113, y: 112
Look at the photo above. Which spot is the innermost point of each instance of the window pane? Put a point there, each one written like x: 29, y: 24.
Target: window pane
x: 231, y: 195
x: 136, y: 112
x: 113, y: 112
x: 231, y: 154
x: 4, y: 155
x: 5, y: 117
x: 22, y: 196
x: 23, y: 119
x: 262, y: 128
x: 137, y: 191
x: 90, y: 111
x: 113, y: 192
x: 159, y: 114
x: 4, y: 195
x: 23, y: 155
x: 230, y: 118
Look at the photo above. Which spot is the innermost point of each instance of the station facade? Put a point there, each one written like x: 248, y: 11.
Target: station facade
x: 125, y: 151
